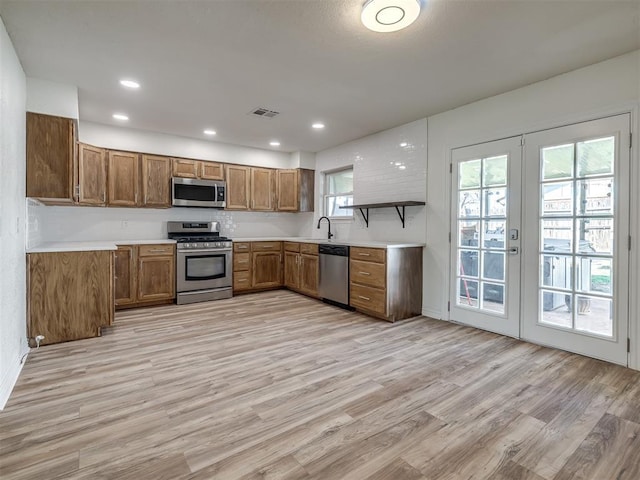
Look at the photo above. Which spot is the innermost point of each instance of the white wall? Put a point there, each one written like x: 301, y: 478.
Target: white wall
x: 602, y: 89
x: 115, y: 138
x: 377, y: 178
x: 52, y: 98
x: 13, y: 345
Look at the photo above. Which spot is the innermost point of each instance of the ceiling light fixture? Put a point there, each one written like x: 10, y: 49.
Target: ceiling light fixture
x: 275, y: 143
x: 120, y: 116
x: 404, y: 144
x: 130, y: 84
x: 209, y: 132
x: 389, y: 15
x: 318, y: 126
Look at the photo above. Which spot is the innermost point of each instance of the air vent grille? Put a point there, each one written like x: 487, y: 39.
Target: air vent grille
x: 264, y: 112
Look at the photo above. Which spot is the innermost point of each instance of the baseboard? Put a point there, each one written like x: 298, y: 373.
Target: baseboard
x: 431, y: 313
x: 11, y: 377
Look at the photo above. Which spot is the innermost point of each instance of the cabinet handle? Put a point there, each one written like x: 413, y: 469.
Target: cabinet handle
x: 241, y: 280
x: 364, y: 254
x: 243, y: 261
x: 242, y: 247
x: 158, y: 250
x: 364, y: 273
x: 364, y: 298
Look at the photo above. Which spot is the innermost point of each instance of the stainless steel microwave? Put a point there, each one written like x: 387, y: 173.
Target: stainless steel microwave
x: 190, y: 192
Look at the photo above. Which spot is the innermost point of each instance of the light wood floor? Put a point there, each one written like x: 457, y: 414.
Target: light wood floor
x: 275, y: 385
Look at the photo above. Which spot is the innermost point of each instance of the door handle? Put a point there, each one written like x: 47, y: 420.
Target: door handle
x: 513, y: 250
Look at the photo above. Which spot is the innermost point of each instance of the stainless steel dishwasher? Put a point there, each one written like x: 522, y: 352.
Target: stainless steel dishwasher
x: 334, y: 274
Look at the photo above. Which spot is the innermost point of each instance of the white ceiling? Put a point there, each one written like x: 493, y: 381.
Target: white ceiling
x: 208, y: 63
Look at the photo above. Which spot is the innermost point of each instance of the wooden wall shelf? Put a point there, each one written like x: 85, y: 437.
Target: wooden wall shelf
x: 366, y: 206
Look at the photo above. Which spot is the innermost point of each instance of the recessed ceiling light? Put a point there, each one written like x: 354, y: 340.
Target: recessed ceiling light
x: 398, y: 163
x: 318, y: 126
x: 274, y: 143
x: 389, y: 15
x: 404, y: 144
x: 129, y: 83
x: 209, y: 132
x: 120, y: 116
x: 402, y: 167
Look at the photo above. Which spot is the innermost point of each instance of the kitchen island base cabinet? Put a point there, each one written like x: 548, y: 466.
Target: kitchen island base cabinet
x: 70, y: 295
x: 144, y: 275
x: 386, y: 283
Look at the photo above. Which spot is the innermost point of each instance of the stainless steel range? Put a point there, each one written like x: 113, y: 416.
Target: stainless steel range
x: 204, y: 261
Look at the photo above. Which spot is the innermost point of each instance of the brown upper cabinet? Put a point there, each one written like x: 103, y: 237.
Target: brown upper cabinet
x: 188, y: 168
x: 50, y: 158
x: 263, y: 189
x: 156, y: 181
x: 295, y: 190
x: 122, y: 178
x: 92, y: 175
x: 238, y: 180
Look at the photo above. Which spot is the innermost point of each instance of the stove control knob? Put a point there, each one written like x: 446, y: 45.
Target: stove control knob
x: 205, y: 245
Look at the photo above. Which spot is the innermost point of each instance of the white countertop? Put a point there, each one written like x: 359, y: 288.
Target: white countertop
x: 90, y: 246
x: 351, y: 243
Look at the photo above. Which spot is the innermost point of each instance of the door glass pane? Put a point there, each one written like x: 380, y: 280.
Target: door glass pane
x: 595, y: 157
x: 556, y: 271
x: 557, y: 198
x: 467, y: 292
x: 493, y: 265
x: 557, y: 162
x: 595, y: 196
x: 594, y: 315
x: 494, y: 171
x: 468, y: 233
x: 493, y: 235
x: 469, y: 204
x: 493, y: 297
x: 469, y: 176
x: 576, y: 257
x: 596, y: 235
x: 495, y: 202
x: 469, y: 263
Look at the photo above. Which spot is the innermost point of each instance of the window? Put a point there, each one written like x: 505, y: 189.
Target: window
x: 338, y: 192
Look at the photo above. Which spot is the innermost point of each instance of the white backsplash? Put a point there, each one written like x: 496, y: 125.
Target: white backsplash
x: 47, y: 223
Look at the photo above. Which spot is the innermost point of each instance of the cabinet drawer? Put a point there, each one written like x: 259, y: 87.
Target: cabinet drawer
x: 241, y: 280
x: 266, y: 246
x: 368, y: 298
x: 241, y: 262
x: 309, y: 248
x: 368, y: 273
x: 241, y: 247
x: 291, y: 247
x: 377, y: 255
x: 155, y: 250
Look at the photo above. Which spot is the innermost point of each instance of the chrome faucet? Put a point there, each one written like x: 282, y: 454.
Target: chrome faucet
x: 329, y: 234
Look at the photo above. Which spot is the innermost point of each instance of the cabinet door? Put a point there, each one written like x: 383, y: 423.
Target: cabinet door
x: 266, y: 269
x: 309, y: 274
x: 125, y: 275
x: 211, y: 171
x: 70, y: 294
x: 185, y: 168
x: 156, y: 181
x: 262, y: 189
x: 237, y: 187
x: 292, y: 270
x: 122, y: 178
x: 156, y: 278
x: 288, y: 190
x: 50, y: 157
x: 92, y: 175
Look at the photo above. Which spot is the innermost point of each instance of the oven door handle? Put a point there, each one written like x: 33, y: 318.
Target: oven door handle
x: 206, y: 250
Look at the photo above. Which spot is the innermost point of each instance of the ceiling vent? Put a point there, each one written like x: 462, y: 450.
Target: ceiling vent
x: 264, y: 112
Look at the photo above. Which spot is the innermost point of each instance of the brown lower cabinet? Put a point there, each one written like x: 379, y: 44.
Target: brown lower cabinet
x: 145, y: 275
x: 70, y: 295
x: 301, y: 267
x: 257, y: 266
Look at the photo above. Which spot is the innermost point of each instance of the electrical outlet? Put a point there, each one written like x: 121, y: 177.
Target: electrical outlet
x: 124, y: 224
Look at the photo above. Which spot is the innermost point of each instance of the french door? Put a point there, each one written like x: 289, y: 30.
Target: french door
x: 486, y: 236
x: 539, y: 243
x: 577, y: 230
